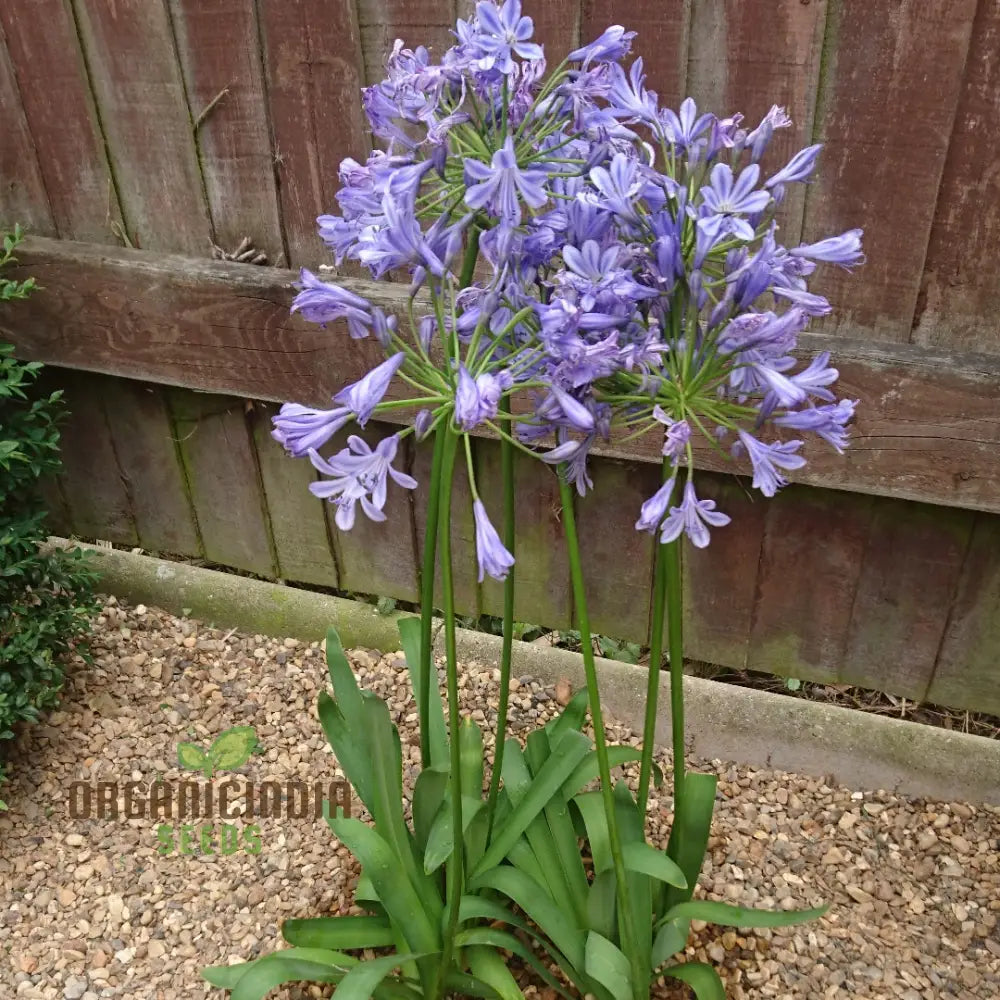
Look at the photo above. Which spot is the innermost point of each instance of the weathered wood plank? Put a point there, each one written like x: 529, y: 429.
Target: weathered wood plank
x: 313, y: 64
x: 148, y: 453
x: 662, y: 39
x: 890, y: 89
x: 129, y: 47
x: 298, y: 520
x: 927, y: 428
x: 59, y: 109
x: 747, y: 55
x: 965, y: 674
x: 959, y: 296
x: 806, y: 584
x: 219, y: 49
x: 96, y: 490
x: 416, y: 22
x: 557, y: 27
x: 720, y: 582
x: 224, y: 480
x: 23, y: 197
x: 909, y: 576
x: 379, y: 558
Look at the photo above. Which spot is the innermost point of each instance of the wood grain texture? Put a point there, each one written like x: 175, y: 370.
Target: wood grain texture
x: 557, y: 27
x: 23, y: 197
x: 219, y: 49
x: 662, y: 39
x: 96, y: 492
x: 314, y: 74
x: 298, y: 520
x: 908, y: 580
x: 60, y: 113
x: 222, y: 474
x: 747, y: 55
x: 927, y: 428
x: 810, y: 563
x: 959, y: 296
x: 416, y: 22
x: 965, y: 674
x: 892, y: 75
x: 151, y: 468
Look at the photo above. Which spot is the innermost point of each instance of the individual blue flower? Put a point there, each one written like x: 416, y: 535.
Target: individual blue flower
x: 829, y: 422
x: 323, y: 303
x: 612, y: 44
x: 814, y: 305
x: 766, y: 459
x: 684, y: 130
x: 496, y: 187
x: 677, y: 435
x: 363, y: 396
x: 652, y: 511
x: 728, y: 197
x: 798, y: 168
x: 492, y: 556
x: 299, y: 429
x: 359, y: 474
x: 503, y: 32
x: 628, y: 96
x: 757, y: 141
x: 815, y: 378
x: 692, y: 518
x: 478, y: 399
x: 620, y: 184
x: 844, y: 250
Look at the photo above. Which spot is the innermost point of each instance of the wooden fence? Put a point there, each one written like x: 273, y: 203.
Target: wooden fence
x: 139, y: 132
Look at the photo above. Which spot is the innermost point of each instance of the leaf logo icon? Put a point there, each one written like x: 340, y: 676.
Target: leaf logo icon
x: 231, y: 750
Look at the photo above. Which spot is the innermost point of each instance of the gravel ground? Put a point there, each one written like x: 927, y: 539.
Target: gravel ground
x: 94, y: 908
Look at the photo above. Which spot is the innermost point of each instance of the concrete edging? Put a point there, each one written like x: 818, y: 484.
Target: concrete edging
x: 724, y: 722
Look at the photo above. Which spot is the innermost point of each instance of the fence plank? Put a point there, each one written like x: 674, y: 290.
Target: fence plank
x: 298, y: 520
x: 137, y: 83
x: 98, y: 497
x: 23, y: 197
x: 926, y: 429
x: 747, y: 55
x: 870, y: 174
x: 59, y: 109
x: 909, y: 576
x: 416, y: 22
x: 662, y: 39
x: 959, y: 297
x: 313, y: 63
x: 966, y: 668
x: 221, y: 467
x: 147, y: 450
x: 219, y: 49
x: 805, y: 586
x: 557, y: 27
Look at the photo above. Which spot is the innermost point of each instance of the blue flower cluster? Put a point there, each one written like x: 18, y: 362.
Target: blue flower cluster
x: 614, y: 261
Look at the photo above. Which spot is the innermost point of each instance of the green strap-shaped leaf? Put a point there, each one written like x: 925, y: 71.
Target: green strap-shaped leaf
x: 338, y: 933
x: 591, y: 808
x: 361, y: 982
x: 496, y: 939
x: 689, y: 833
x: 470, y: 755
x: 409, y: 637
x: 569, y: 719
x: 670, y: 939
x: 607, y: 965
x: 487, y: 965
x: 523, y: 858
x: 737, y: 916
x: 352, y: 754
x: 644, y: 858
x: 441, y: 841
x: 345, y: 686
x: 462, y: 984
x: 587, y: 770
x: 702, y: 978
x: 602, y: 904
x: 428, y: 794
x: 540, y: 908
x: 565, y: 757
x: 254, y: 980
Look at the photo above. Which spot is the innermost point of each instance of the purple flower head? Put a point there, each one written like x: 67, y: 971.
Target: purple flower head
x: 683, y: 130
x: 724, y: 196
x: 322, y: 303
x: 652, y: 511
x: 768, y: 458
x: 503, y: 32
x: 300, y: 429
x: 613, y: 44
x: 496, y: 187
x: 359, y: 474
x: 364, y: 395
x: 677, y: 435
x: 620, y: 185
x: 492, y: 556
x: 692, y: 518
x: 478, y: 399
x: 798, y: 168
x: 829, y: 422
x: 844, y: 250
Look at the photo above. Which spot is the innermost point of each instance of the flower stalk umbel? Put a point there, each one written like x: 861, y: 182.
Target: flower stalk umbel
x: 617, y: 266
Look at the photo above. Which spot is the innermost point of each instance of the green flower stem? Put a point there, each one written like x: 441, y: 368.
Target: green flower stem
x: 456, y: 868
x: 427, y: 597
x: 629, y: 941
x: 655, y: 660
x: 507, y: 474
x: 471, y: 256
x: 675, y: 645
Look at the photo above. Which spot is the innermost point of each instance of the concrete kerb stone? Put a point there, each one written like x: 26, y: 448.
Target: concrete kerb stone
x: 724, y: 722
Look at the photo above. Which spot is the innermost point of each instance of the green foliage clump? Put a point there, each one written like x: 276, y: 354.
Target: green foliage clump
x: 46, y: 598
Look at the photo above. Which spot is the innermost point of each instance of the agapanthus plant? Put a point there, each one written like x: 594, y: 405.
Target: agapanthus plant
x: 583, y: 265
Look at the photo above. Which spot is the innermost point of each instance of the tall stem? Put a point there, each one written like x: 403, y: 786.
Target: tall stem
x: 675, y: 646
x: 456, y: 868
x: 629, y: 941
x: 507, y: 474
x: 427, y: 599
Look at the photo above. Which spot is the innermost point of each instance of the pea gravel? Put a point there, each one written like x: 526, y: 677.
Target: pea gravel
x: 89, y: 908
